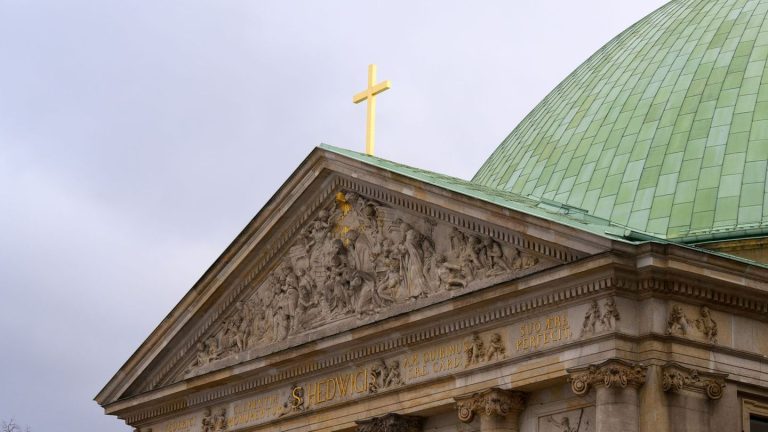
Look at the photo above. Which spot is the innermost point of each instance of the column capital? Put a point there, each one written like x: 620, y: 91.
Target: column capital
x: 491, y: 402
x: 390, y: 423
x: 610, y: 373
x: 677, y: 378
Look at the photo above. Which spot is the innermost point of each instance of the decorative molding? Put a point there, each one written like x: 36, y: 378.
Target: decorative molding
x: 391, y: 423
x: 508, y: 311
x: 610, y: 373
x: 491, y: 402
x: 676, y: 378
x: 724, y: 297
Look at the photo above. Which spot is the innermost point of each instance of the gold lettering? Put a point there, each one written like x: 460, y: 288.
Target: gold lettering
x: 535, y: 334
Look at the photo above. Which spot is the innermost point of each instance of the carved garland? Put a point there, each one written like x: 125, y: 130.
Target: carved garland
x: 491, y: 402
x: 610, y: 373
x: 676, y: 378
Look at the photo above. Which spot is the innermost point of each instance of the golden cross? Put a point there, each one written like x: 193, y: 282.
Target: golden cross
x: 369, y: 94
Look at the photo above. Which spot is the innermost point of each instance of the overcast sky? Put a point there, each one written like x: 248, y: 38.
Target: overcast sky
x: 137, y: 138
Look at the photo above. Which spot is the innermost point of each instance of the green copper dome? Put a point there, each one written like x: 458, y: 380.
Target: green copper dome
x: 663, y: 130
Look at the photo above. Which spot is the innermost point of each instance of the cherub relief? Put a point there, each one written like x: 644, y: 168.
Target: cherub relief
x: 590, y: 319
x: 474, y: 350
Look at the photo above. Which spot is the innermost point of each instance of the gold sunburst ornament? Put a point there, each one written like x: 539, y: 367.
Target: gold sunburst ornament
x: 369, y: 94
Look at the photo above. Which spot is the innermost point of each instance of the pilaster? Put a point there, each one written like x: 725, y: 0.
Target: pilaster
x: 616, y: 384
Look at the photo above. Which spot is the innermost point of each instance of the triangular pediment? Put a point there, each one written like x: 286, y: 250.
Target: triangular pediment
x: 356, y: 261
x: 338, y: 248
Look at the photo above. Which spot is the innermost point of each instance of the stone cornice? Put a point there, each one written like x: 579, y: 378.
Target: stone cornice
x: 650, y: 286
x: 491, y: 402
x: 677, y: 378
x: 315, y: 174
x: 612, y: 373
x: 529, y: 306
x: 465, y: 323
x: 333, y: 184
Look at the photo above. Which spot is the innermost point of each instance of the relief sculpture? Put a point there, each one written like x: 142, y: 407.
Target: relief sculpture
x: 214, y: 421
x: 678, y: 323
x: 580, y: 420
x: 476, y: 351
x: 353, y: 259
x: 605, y: 316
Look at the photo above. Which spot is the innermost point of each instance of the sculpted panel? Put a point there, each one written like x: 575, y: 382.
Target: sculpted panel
x: 678, y: 323
x: 354, y: 259
x: 580, y: 420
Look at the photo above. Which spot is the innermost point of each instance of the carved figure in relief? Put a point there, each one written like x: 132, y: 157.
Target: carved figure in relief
x: 412, y: 263
x: 368, y: 300
x: 458, y: 242
x: 207, y: 421
x: 376, y: 376
x: 294, y: 402
x: 496, y: 348
x: 220, y: 420
x: 212, y: 348
x: 474, y: 350
x: 470, y: 260
x: 564, y: 424
x: 707, y: 325
x: 677, y: 321
x: 495, y: 256
x: 610, y: 314
x: 202, y: 358
x: 590, y: 319
x: 393, y: 374
x: 355, y: 258
x: 449, y: 275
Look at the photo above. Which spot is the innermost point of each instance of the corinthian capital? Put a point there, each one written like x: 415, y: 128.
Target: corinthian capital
x: 610, y: 373
x: 390, y: 423
x: 677, y: 378
x: 491, y: 402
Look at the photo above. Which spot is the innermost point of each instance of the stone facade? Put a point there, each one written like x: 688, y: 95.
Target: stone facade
x: 362, y: 300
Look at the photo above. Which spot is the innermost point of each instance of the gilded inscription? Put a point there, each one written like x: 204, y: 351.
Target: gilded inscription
x: 432, y: 361
x: 539, y: 333
x: 254, y: 410
x: 337, y: 387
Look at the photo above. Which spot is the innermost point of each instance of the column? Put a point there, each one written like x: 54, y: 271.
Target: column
x: 692, y: 397
x: 499, y: 410
x: 616, y: 384
x: 391, y: 423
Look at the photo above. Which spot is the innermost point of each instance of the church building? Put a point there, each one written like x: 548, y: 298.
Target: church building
x: 606, y: 269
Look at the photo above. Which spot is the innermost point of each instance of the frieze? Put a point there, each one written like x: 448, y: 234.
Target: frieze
x: 421, y: 364
x: 356, y: 258
x: 676, y: 378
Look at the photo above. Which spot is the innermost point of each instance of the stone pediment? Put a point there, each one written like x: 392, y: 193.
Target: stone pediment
x: 339, y: 247
x: 355, y: 261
